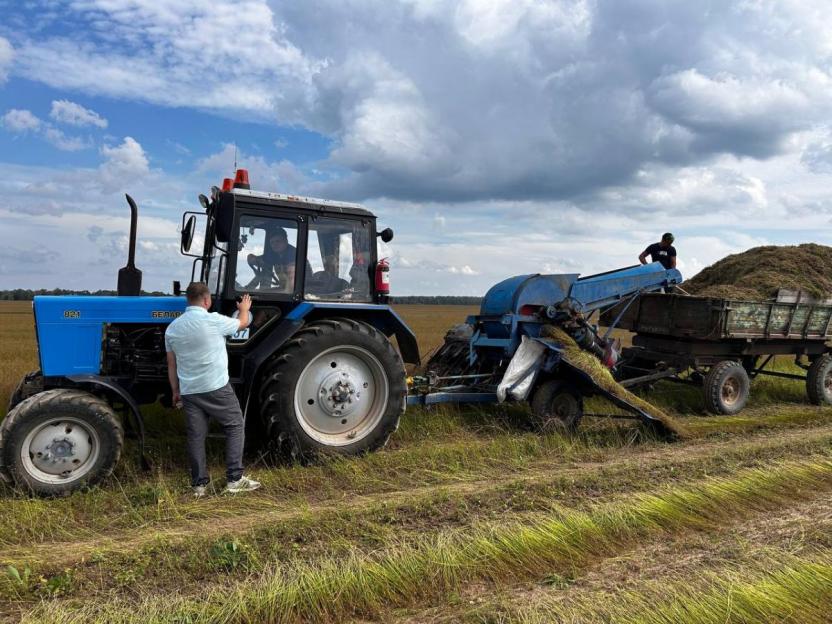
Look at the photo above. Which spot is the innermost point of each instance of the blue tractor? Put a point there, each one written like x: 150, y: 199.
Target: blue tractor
x: 316, y: 370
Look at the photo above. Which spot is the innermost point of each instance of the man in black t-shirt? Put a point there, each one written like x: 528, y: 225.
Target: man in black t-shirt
x: 663, y: 252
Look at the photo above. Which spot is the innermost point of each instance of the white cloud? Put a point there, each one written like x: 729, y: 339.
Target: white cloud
x: 279, y: 176
x: 460, y: 101
x: 64, y: 111
x: 165, y: 52
x: 387, y: 127
x: 63, y: 142
x: 6, y: 55
x: 728, y: 113
x: 60, y: 191
x: 80, y: 215
x: 463, y: 270
x: 123, y: 165
x: 71, y: 258
x: 20, y: 120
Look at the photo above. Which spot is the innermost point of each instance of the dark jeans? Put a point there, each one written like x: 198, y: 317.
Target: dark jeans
x: 221, y: 405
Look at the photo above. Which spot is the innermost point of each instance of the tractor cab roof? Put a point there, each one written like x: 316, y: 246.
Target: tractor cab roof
x: 313, y: 203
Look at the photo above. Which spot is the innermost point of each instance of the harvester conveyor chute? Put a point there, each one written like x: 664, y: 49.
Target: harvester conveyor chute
x: 638, y: 412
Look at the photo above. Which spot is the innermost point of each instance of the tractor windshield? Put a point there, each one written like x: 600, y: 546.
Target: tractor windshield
x: 338, y: 254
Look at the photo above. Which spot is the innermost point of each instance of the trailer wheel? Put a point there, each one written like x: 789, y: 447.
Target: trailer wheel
x: 59, y: 441
x: 337, y: 386
x: 726, y: 388
x: 819, y: 380
x: 556, y: 407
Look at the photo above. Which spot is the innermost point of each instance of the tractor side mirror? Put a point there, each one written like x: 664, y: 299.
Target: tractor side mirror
x: 204, y: 201
x: 386, y: 235
x: 188, y: 233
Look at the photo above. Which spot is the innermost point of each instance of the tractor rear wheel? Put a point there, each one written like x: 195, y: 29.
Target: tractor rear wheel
x: 726, y: 388
x: 59, y: 441
x: 338, y: 386
x: 556, y: 406
x: 819, y: 380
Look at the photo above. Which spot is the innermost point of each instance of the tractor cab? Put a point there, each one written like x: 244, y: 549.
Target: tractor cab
x: 284, y: 249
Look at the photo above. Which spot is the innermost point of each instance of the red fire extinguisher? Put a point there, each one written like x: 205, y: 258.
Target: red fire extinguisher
x: 383, y: 277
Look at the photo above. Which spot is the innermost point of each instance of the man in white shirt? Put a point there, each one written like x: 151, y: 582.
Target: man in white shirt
x: 198, y: 375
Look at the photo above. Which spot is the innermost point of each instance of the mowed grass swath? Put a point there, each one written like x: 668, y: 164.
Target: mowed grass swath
x: 326, y: 590
x: 462, y: 503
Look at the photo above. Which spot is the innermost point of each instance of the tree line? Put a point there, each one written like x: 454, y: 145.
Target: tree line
x: 437, y: 300
x: 26, y: 294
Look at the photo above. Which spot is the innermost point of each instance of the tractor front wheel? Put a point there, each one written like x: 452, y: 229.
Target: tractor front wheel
x: 338, y: 386
x: 59, y: 441
x: 556, y: 406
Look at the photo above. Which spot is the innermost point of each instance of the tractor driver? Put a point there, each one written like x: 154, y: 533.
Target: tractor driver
x: 278, y: 260
x: 663, y: 252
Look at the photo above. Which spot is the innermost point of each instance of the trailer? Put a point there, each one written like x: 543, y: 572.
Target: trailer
x: 721, y: 345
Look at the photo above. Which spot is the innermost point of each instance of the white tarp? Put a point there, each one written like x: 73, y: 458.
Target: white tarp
x: 521, y: 371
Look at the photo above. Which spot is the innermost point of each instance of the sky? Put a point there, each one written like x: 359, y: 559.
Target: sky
x: 496, y: 137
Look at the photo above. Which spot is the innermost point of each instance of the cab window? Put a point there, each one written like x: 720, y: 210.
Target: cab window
x: 267, y: 255
x: 338, y: 254
x: 216, y: 273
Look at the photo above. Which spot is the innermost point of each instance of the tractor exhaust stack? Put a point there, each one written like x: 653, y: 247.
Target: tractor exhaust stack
x: 129, y: 277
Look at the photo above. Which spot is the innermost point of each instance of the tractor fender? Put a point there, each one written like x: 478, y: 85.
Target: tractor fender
x: 113, y: 389
x: 381, y: 317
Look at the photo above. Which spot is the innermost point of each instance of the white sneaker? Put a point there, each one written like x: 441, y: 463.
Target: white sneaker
x: 200, y: 491
x: 243, y: 484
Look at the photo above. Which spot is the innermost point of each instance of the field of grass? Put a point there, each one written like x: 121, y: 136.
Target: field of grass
x: 466, y: 516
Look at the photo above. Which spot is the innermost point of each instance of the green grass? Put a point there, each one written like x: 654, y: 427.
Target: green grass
x: 366, y: 525
x: 797, y: 590
x: 801, y: 592
x: 134, y: 499
x: 330, y: 588
x: 462, y: 450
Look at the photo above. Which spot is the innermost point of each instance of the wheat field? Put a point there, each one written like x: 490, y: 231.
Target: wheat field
x: 466, y: 516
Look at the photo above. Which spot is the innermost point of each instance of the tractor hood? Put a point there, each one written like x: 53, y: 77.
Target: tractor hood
x: 70, y: 329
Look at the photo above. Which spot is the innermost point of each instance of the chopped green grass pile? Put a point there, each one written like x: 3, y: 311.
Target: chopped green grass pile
x: 757, y: 274
x: 601, y: 375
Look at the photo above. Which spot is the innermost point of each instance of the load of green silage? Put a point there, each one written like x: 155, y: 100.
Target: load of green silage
x: 601, y: 375
x: 757, y: 274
